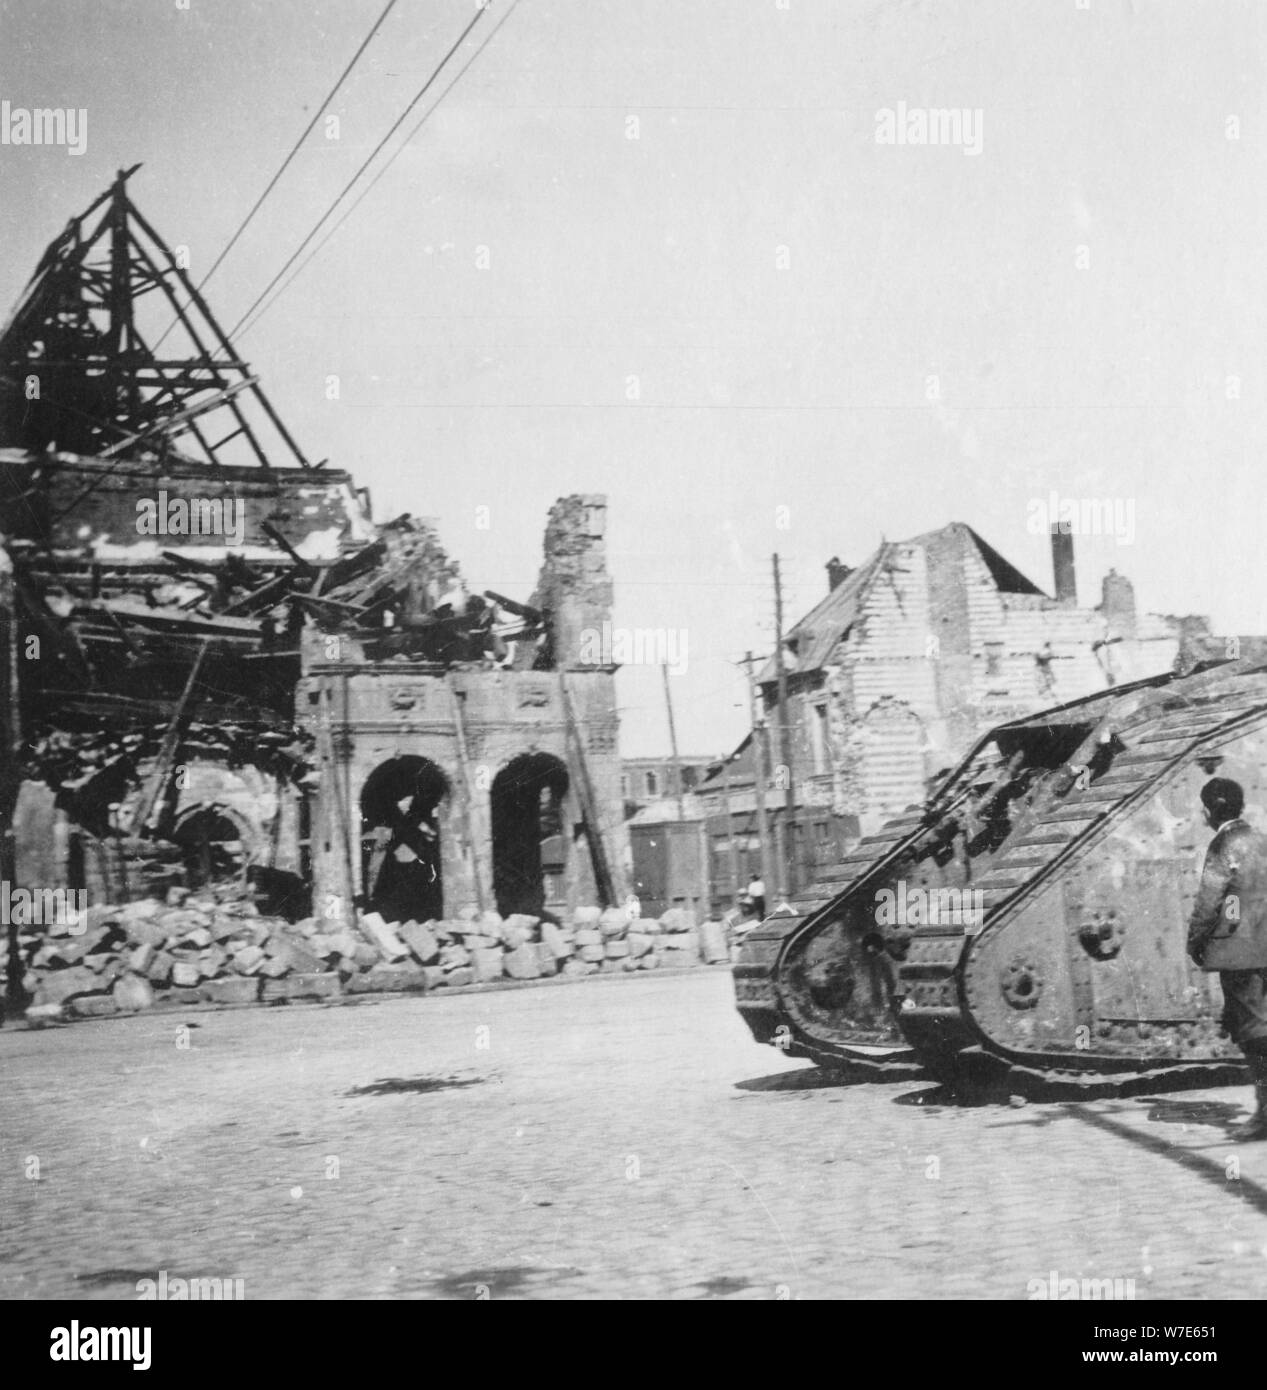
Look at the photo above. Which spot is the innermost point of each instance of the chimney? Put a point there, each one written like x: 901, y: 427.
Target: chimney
x: 1062, y: 564
x: 1118, y: 605
x: 837, y: 573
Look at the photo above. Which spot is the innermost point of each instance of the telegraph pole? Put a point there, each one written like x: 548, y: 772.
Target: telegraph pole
x: 788, y: 866
x: 732, y: 849
x: 677, y: 766
x: 760, y: 753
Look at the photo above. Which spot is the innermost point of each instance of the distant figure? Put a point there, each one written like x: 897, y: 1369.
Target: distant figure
x: 756, y: 895
x: 1228, y: 931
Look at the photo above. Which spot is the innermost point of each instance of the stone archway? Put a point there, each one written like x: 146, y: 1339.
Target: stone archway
x: 213, y: 844
x: 400, y: 839
x: 526, y: 802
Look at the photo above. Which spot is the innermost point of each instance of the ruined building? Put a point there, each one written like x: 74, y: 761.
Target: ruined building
x: 906, y: 662
x: 217, y: 663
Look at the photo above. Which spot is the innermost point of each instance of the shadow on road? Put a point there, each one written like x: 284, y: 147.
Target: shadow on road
x: 415, y: 1085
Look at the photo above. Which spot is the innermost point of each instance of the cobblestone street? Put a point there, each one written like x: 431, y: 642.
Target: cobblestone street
x: 613, y: 1138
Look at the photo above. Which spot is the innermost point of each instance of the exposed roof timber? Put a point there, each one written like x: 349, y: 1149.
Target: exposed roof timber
x: 81, y: 330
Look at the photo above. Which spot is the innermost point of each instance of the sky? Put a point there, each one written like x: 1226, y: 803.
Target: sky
x: 654, y: 249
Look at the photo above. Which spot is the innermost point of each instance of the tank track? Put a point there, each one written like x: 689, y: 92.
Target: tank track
x: 936, y: 983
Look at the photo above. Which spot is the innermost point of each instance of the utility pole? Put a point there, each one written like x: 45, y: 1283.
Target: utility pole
x: 732, y: 849
x: 788, y: 866
x: 760, y: 753
x: 677, y: 766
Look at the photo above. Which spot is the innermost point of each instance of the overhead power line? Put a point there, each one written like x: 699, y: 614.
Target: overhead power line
x: 325, y: 240
x: 285, y: 164
x: 374, y: 153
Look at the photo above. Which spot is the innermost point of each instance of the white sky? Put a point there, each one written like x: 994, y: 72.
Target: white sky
x: 761, y: 388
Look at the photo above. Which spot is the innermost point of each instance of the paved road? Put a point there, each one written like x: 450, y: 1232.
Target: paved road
x: 615, y: 1138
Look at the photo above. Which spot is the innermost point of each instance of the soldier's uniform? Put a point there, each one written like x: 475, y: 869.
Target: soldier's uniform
x: 1228, y: 933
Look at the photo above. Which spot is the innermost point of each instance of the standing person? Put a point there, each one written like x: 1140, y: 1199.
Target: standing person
x: 1228, y: 931
x: 756, y: 892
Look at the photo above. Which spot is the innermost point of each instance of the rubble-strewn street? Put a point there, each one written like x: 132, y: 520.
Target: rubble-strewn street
x: 608, y: 1138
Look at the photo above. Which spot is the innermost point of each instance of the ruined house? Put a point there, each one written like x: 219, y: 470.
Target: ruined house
x: 904, y: 664
x: 218, y: 664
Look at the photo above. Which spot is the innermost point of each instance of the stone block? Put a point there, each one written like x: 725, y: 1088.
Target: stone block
x: 57, y: 986
x: 677, y: 919
x: 463, y: 975
x: 555, y: 939
x: 92, y: 1005
x: 140, y: 958
x: 294, y: 955
x: 587, y: 916
x: 639, y: 943
x: 223, y: 926
x: 159, y: 971
x: 454, y: 957
x: 492, y: 920
x: 434, y: 976
x: 515, y: 937
x: 388, y: 979
x: 132, y: 993
x: 647, y: 926
x: 142, y: 911
x: 319, y: 985
x: 616, y: 949
x: 481, y: 943
x: 185, y: 974
x: 487, y: 965
x: 629, y: 963
x: 547, y: 961
x: 586, y: 937
x: 40, y: 1014
x: 649, y: 961
x: 421, y: 941
x: 184, y: 996
x: 233, y: 989
x: 212, y: 962
x: 712, y: 940
x: 578, y: 967
x: 591, y: 953
x: 523, y: 921
x: 199, y: 937
x: 364, y: 957
x: 384, y: 936
x: 614, y: 921
x: 248, y: 959
x: 521, y: 964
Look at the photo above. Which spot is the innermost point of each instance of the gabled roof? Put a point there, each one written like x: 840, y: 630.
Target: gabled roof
x: 810, y: 643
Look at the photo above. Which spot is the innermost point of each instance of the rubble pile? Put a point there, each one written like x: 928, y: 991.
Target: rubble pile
x: 214, y: 946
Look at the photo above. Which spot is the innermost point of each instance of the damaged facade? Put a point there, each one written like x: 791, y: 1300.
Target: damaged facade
x: 907, y: 661
x: 219, y: 666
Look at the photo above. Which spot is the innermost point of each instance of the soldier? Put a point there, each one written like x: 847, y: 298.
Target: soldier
x: 1228, y: 931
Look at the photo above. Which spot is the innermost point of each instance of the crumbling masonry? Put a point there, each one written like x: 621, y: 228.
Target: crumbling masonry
x: 220, y: 669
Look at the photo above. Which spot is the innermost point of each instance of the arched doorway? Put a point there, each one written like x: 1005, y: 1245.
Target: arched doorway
x: 211, y: 842
x: 400, y: 839
x: 527, y: 825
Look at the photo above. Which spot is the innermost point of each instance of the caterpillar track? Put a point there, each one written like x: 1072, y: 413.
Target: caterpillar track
x: 1027, y: 927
